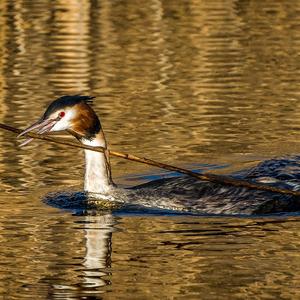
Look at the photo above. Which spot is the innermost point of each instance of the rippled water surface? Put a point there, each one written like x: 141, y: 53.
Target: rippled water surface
x: 210, y: 85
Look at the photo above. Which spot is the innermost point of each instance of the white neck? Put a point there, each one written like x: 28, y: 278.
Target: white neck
x: 97, y: 168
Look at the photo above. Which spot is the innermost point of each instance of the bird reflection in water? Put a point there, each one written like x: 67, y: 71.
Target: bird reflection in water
x: 98, y: 242
x: 94, y: 274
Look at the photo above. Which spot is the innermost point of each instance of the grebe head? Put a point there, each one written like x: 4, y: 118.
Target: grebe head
x: 71, y: 113
x: 74, y: 114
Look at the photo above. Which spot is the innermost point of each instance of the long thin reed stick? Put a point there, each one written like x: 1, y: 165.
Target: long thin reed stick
x: 220, y: 179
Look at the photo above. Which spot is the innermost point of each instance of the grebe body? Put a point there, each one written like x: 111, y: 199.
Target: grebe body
x: 75, y: 115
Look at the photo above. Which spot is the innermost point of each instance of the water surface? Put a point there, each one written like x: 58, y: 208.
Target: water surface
x: 210, y: 85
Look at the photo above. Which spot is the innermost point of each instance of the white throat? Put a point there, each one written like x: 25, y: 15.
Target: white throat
x: 97, y: 169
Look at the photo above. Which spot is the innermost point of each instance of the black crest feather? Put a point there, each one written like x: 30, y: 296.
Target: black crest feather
x: 66, y: 101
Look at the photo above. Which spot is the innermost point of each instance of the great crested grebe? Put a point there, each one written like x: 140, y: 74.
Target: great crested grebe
x: 75, y: 115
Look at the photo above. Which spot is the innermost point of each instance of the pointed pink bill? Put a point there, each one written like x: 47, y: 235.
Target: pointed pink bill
x: 42, y: 126
x: 27, y: 141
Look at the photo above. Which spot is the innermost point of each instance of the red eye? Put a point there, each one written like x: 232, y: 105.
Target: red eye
x: 62, y: 114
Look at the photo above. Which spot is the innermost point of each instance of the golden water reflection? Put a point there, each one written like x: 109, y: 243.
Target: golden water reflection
x: 184, y: 82
x: 64, y: 256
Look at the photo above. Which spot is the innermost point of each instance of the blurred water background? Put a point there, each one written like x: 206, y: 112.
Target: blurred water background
x: 211, y: 85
